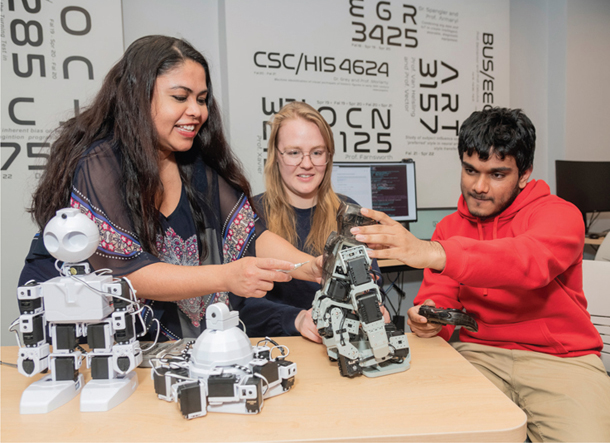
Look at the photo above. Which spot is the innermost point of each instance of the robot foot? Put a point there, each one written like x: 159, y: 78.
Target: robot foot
x: 45, y: 395
x: 387, y: 368
x: 349, y: 368
x: 103, y: 395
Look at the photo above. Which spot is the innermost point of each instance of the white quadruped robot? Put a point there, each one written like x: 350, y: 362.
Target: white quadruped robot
x: 222, y: 371
x: 77, y: 303
x: 347, y: 309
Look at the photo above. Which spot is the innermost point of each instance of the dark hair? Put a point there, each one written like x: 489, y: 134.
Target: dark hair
x: 122, y: 111
x: 505, y: 131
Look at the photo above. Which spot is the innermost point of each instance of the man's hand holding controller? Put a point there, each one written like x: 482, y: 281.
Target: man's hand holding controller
x: 419, y: 324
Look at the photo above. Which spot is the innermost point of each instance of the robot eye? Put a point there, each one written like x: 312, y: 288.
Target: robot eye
x: 76, y: 241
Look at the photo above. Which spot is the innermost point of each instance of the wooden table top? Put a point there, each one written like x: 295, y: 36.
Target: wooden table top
x: 441, y: 397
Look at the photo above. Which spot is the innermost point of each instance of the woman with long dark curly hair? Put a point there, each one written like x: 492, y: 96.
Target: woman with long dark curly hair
x: 149, y: 163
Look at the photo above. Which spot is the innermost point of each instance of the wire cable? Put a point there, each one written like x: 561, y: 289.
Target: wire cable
x: 256, y: 374
x: 11, y: 328
x: 243, y: 324
x: 12, y: 365
x: 392, y: 286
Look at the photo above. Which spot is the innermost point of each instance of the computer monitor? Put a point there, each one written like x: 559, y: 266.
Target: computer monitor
x: 427, y: 219
x: 383, y: 186
x: 586, y: 184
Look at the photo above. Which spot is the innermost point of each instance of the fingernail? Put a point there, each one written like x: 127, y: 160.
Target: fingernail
x: 354, y: 230
x: 365, y: 211
x: 360, y: 237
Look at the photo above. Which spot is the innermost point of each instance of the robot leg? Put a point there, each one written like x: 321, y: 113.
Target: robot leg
x: 174, y: 384
x: 348, y: 354
x: 373, y: 325
x: 191, y: 395
x: 64, y: 382
x: 112, y: 364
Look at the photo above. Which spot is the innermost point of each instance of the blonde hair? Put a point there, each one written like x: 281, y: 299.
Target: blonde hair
x: 279, y: 214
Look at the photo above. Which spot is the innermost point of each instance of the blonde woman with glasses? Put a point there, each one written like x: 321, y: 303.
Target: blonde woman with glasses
x: 300, y: 206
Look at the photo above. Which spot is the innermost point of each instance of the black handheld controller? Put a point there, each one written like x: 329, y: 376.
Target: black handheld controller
x: 448, y: 317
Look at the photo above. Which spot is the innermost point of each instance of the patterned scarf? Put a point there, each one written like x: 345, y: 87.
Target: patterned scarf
x: 237, y: 233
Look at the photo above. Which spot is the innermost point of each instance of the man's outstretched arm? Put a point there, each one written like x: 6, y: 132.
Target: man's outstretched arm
x: 389, y: 239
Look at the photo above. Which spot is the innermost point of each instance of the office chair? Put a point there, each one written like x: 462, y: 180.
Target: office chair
x: 603, y: 253
x: 596, y: 284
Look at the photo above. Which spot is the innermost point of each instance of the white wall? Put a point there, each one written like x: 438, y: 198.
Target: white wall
x: 587, y: 91
x: 529, y: 72
x: 559, y: 59
x: 54, y: 98
x: 193, y: 20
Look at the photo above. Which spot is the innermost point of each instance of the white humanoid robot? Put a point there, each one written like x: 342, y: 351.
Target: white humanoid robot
x: 77, y: 303
x: 222, y: 371
x: 347, y: 309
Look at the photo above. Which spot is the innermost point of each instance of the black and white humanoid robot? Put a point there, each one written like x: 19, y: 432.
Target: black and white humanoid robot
x: 77, y: 303
x: 347, y: 310
x: 222, y: 371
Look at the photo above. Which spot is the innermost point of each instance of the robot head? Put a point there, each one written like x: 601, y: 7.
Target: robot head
x: 349, y: 216
x: 71, y: 236
x: 222, y: 343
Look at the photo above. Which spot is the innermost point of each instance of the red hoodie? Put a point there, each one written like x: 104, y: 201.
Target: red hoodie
x: 519, y: 274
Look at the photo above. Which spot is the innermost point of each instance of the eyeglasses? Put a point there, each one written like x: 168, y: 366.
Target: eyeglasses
x: 294, y: 157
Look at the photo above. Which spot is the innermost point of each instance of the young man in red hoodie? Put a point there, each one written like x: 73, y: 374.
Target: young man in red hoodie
x: 511, y: 256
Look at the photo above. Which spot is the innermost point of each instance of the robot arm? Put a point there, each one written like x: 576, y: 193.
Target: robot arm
x: 34, y: 355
